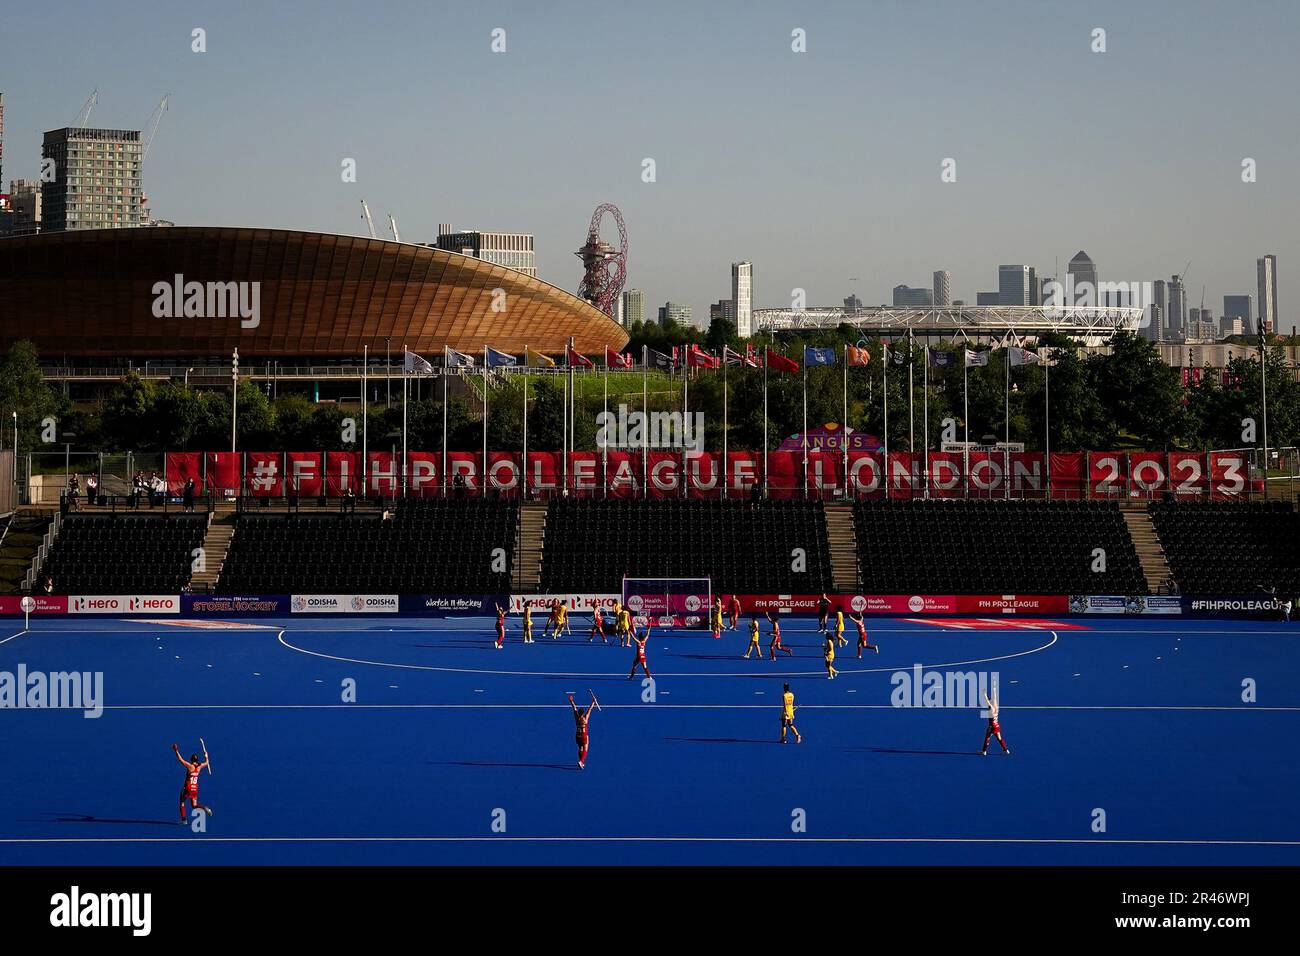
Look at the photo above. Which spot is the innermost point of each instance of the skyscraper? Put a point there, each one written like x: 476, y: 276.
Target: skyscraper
x: 1239, y: 307
x: 1177, y: 311
x: 514, y: 250
x: 633, y: 310
x: 97, y: 180
x: 1266, y: 273
x: 1082, y: 270
x: 1013, y: 285
x: 25, y: 200
x: 1159, y: 300
x: 674, y: 312
x: 906, y: 297
x: 942, y: 289
x: 742, y: 294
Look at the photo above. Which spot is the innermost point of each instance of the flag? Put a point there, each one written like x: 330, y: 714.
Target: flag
x: 658, y: 360
x: 779, y: 363
x: 696, y: 357
x: 751, y: 357
x: 576, y: 358
x: 977, y: 358
x: 413, y: 363
x: 731, y: 357
x: 938, y: 358
x: 895, y: 356
x: 616, y: 360
x: 855, y: 355
x: 538, y: 360
x: 453, y: 359
x: 497, y: 359
x: 816, y: 356
x: 1019, y: 356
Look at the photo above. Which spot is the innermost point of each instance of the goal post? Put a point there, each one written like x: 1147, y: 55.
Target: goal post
x: 668, y: 602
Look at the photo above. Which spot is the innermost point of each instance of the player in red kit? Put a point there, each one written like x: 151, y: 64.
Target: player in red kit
x: 776, y: 644
x: 994, y: 728
x: 597, y: 626
x: 190, y: 789
x: 640, y: 660
x: 580, y: 719
x: 863, y: 643
x: 501, y: 627
x: 733, y: 611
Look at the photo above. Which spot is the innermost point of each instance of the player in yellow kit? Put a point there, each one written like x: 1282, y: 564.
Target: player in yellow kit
x: 625, y: 627
x: 840, y: 639
x: 715, y: 618
x: 787, y: 715
x: 561, y: 620
x: 828, y: 652
x: 753, y: 639
x: 528, y: 622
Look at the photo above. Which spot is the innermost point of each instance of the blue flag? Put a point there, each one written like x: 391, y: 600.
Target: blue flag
x: 497, y: 359
x: 816, y: 356
x: 941, y: 359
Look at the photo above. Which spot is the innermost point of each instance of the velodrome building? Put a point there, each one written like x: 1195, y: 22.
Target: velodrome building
x: 184, y: 296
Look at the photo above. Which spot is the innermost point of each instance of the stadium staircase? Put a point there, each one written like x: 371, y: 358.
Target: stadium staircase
x: 22, y: 538
x: 530, y: 535
x: 1151, y: 555
x: 216, y: 545
x: 843, y: 542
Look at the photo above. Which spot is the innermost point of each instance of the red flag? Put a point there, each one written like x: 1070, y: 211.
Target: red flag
x: 779, y: 363
x: 751, y: 357
x: 616, y: 360
x: 696, y: 357
x: 574, y: 357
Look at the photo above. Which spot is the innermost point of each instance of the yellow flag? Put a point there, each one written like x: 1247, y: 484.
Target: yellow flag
x: 538, y: 360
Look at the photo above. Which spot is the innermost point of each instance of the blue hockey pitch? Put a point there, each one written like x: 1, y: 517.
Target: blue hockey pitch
x: 455, y: 752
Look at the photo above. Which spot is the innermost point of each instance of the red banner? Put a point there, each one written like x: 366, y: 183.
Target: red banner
x: 179, y: 467
x: 423, y: 474
x: 1187, y: 475
x: 303, y: 473
x: 867, y: 474
x: 342, y: 471
x: 784, y: 474
x: 1148, y: 472
x: 505, y: 474
x: 946, y: 474
x: 704, y: 475
x: 1067, y: 474
x: 623, y: 474
x: 1228, y: 474
x: 543, y: 472
x: 1106, y: 474
x: 744, y: 472
x: 665, y: 474
x: 223, y: 472
x: 264, y: 472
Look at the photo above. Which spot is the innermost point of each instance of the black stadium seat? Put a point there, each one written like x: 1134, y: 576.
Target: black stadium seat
x: 1229, y: 547
x: 994, y: 547
x: 741, y: 546
x: 124, y: 554
x: 426, y: 547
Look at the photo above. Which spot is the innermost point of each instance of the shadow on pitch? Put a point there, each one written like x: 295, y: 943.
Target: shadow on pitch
x: 491, y: 763
x: 720, y: 740
x: 88, y: 818
x: 922, y: 753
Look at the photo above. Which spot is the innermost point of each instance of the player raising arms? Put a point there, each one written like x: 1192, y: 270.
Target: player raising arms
x: 580, y: 719
x: 190, y: 789
x: 733, y: 611
x: 863, y: 643
x: 640, y: 660
x: 715, y: 618
x: 597, y: 626
x: 787, y: 715
x: 501, y: 627
x: 823, y: 612
x: 753, y: 640
x: 994, y: 728
x: 776, y: 644
x: 828, y: 653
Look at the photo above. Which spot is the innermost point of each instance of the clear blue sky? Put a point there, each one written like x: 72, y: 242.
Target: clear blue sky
x: 817, y: 167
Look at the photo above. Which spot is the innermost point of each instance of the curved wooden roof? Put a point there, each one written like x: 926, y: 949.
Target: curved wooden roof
x: 91, y: 293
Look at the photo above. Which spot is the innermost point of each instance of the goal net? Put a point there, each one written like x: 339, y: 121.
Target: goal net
x: 668, y: 602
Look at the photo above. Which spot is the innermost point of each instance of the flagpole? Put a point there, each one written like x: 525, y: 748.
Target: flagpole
x: 724, y: 421
x: 1047, y: 420
x: 886, y: 358
x: 365, y: 364
x: 524, y: 488
x: 844, y: 422
x: 686, y: 404
x: 482, y: 479
x: 604, y: 450
x: 911, y: 394
x: 765, y: 440
x: 645, y: 421
x: 1006, y: 447
x: 568, y: 415
x: 925, y: 389
x: 404, y: 405
x: 965, y: 417
x: 804, y: 434
x: 444, y: 421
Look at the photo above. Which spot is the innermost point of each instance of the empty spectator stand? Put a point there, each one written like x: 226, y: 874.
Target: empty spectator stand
x: 742, y: 546
x: 123, y: 553
x: 994, y: 547
x: 423, y: 547
x: 1228, y: 547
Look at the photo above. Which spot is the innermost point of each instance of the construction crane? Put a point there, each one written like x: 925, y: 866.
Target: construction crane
x: 152, y: 126
x: 84, y: 116
x: 392, y: 224
x: 370, y: 223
